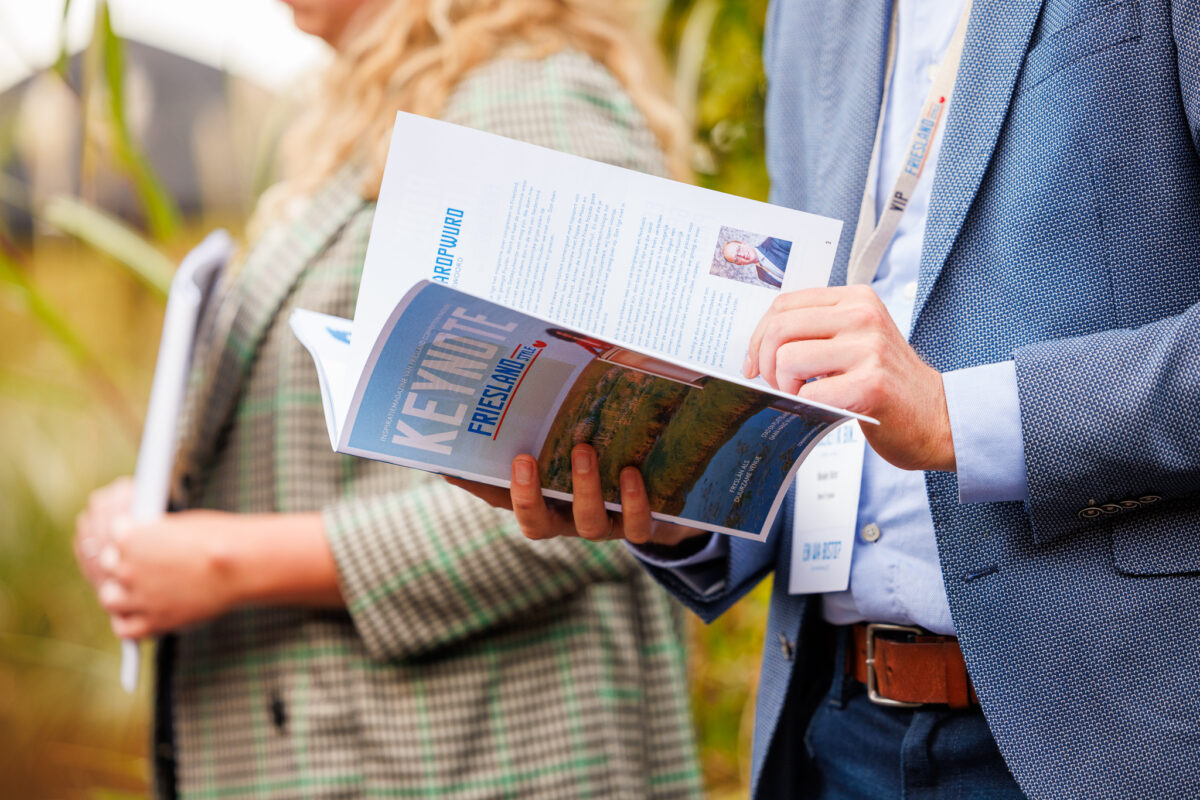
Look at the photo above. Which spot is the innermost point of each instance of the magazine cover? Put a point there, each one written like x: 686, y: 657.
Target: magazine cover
x: 459, y: 385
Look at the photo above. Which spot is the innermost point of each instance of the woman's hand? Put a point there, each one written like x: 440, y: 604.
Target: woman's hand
x: 166, y: 574
x: 157, y: 576
x: 93, y: 526
x: 191, y: 566
x: 845, y: 336
x: 586, y: 516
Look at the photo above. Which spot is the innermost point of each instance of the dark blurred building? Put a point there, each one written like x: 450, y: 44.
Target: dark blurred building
x: 205, y: 132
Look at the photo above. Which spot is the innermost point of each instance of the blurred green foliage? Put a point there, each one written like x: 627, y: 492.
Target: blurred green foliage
x: 714, y: 47
x: 65, y: 726
x: 161, y: 213
x: 78, y: 334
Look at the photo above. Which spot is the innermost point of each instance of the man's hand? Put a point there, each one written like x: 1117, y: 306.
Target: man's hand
x: 586, y: 517
x: 845, y: 336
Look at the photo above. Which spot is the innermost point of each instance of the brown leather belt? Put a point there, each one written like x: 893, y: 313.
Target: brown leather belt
x: 908, y: 667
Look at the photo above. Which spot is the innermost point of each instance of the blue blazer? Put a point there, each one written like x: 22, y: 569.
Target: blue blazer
x: 1064, y: 233
x: 778, y: 251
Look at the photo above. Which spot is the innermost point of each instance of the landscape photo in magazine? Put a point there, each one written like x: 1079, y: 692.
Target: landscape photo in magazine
x: 708, y: 449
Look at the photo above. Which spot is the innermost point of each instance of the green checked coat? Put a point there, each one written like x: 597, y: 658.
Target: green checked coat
x: 472, y: 663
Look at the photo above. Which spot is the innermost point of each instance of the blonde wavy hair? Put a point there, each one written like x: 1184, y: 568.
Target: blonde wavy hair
x: 410, y: 54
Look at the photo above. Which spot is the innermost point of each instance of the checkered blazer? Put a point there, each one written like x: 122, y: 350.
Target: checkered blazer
x: 471, y: 663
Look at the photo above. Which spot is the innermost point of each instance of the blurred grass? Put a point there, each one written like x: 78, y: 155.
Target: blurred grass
x: 723, y: 669
x: 158, y: 206
x: 66, y: 728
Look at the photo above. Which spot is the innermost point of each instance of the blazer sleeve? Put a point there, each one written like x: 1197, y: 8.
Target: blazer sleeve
x: 743, y: 567
x: 430, y: 565
x: 1109, y: 422
x: 566, y: 102
x: 1185, y: 26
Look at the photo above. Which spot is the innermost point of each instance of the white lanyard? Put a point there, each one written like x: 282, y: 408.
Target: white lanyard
x: 871, y: 240
x: 829, y: 481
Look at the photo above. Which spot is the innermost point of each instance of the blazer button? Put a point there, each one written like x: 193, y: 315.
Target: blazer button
x: 1091, y: 512
x: 1148, y: 499
x: 1111, y: 508
x: 786, y: 647
x: 278, y: 712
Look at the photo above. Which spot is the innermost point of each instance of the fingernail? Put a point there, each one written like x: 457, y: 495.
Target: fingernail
x: 109, y: 592
x: 110, y: 557
x: 121, y: 526
x: 581, y: 460
x: 523, y: 472
x: 629, y: 482
x: 747, y: 366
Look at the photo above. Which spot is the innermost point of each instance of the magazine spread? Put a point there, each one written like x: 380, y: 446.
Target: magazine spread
x: 518, y: 300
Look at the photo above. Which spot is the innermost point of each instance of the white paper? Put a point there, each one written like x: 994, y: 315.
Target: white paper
x: 826, y: 512
x: 327, y: 338
x: 595, y: 247
x: 190, y: 289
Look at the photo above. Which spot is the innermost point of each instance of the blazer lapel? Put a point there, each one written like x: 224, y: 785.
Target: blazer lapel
x: 251, y: 303
x: 997, y: 39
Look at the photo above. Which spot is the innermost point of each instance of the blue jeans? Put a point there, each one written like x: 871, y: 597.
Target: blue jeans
x: 858, y: 749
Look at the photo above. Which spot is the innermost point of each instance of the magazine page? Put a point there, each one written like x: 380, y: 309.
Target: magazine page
x: 327, y: 339
x: 191, y: 291
x: 684, y: 270
x: 458, y: 385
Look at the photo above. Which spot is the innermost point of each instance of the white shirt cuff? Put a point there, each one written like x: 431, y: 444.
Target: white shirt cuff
x: 985, y: 421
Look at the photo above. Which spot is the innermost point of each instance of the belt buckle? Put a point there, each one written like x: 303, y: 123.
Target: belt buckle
x: 873, y: 694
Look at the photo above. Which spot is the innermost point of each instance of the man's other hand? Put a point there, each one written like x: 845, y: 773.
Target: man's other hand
x: 844, y: 336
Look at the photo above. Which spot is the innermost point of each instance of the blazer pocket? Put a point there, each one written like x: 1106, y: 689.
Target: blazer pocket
x: 1162, y: 541
x: 1107, y: 27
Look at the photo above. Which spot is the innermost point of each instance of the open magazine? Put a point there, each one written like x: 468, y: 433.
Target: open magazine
x: 519, y: 300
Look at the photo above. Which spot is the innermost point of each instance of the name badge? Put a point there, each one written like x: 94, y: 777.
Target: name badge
x: 826, y: 512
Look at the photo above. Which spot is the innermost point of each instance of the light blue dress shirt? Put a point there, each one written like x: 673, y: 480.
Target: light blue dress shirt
x: 897, y: 577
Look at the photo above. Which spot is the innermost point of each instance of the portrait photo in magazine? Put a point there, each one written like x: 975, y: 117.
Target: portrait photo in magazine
x: 751, y: 258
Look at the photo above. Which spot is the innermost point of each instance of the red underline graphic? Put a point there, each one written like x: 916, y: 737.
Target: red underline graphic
x: 513, y: 395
